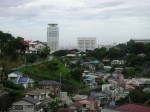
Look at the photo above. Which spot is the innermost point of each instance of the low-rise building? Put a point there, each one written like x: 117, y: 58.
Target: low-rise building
x: 51, y: 85
x: 35, y: 47
x: 117, y: 62
x: 90, y: 81
x: 39, y: 94
x: 17, y: 78
x: 27, y: 104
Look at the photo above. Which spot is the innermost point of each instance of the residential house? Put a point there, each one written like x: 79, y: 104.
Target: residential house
x: 17, y: 78
x: 27, y: 104
x: 26, y: 82
x: 39, y: 94
x: 89, y: 105
x: 65, y: 98
x: 35, y: 47
x: 117, y: 62
x: 146, y: 86
x: 51, y: 85
x: 90, y: 81
x: 78, y: 97
x: 101, y: 97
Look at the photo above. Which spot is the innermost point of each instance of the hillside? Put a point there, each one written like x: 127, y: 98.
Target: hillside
x: 50, y: 70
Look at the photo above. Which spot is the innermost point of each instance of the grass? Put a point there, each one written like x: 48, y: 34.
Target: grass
x: 9, y: 62
x: 43, y: 72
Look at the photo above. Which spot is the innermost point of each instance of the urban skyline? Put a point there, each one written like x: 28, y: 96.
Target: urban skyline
x: 109, y: 21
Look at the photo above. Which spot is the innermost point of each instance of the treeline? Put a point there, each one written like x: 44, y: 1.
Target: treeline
x: 10, y: 45
x: 121, y: 51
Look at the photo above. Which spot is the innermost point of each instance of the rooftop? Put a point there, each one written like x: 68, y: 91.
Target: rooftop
x: 49, y: 83
x: 130, y: 107
x: 31, y: 100
x: 37, y: 92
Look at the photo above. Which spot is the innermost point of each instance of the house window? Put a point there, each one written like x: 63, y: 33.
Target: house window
x: 29, y: 106
x: 18, y: 107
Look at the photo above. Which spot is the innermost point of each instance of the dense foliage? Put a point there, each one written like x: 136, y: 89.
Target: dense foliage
x: 11, y: 45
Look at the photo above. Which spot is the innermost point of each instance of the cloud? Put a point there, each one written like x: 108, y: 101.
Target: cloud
x: 76, y: 17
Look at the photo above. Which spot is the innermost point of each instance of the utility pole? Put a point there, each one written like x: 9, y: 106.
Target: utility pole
x: 60, y: 85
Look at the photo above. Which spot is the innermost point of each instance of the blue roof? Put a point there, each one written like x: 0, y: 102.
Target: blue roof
x: 112, y: 104
x: 94, y: 62
x: 91, y: 62
x: 18, y: 73
x: 23, y: 80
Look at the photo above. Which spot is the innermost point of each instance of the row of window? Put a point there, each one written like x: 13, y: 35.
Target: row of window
x: 20, y: 107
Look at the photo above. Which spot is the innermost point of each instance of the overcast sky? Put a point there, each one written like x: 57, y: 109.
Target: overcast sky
x: 108, y: 20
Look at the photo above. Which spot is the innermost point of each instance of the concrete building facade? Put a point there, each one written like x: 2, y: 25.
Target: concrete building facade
x: 141, y: 41
x: 53, y: 37
x: 88, y: 43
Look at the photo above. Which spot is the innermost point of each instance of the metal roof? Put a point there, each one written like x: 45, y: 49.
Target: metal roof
x: 31, y: 100
x: 23, y: 79
x: 49, y: 83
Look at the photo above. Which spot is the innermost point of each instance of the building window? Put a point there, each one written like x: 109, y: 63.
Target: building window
x: 18, y: 107
x: 29, y: 106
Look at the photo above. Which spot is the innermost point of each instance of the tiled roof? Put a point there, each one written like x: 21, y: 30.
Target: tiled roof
x: 37, y: 92
x: 31, y: 100
x: 134, y: 108
x: 23, y: 79
x: 49, y: 83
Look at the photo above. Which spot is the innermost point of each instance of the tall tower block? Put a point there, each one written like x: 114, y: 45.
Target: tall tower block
x: 53, y: 37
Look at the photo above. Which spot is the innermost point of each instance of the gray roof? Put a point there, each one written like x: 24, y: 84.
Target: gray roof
x: 31, y: 100
x: 146, y: 82
x: 49, y: 83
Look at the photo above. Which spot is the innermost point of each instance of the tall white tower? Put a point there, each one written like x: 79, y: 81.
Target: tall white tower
x: 53, y: 37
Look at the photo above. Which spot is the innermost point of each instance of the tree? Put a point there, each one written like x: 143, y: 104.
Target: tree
x: 76, y: 73
x: 5, y: 102
x: 45, y: 51
x: 30, y: 58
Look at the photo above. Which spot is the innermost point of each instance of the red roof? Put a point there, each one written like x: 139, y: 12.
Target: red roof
x: 88, y: 99
x: 77, y: 104
x: 27, y: 41
x: 134, y: 108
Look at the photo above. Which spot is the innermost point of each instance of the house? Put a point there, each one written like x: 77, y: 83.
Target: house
x: 146, y: 86
x: 51, y: 85
x: 15, y: 76
x: 117, y: 62
x: 71, y: 55
x: 35, y: 47
x: 89, y: 105
x: 26, y: 82
x: 107, y: 68
x: 27, y: 104
x: 106, y: 87
x: 65, y: 98
x: 39, y: 94
x: 90, y: 81
x: 101, y: 97
x: 78, y: 97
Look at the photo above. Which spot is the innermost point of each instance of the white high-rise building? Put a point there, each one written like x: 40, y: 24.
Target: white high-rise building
x: 53, y: 37
x: 88, y: 43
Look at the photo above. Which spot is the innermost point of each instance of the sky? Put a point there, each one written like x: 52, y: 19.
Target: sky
x: 110, y: 21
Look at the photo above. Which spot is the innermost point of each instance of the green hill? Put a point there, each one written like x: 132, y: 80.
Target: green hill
x: 50, y: 69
